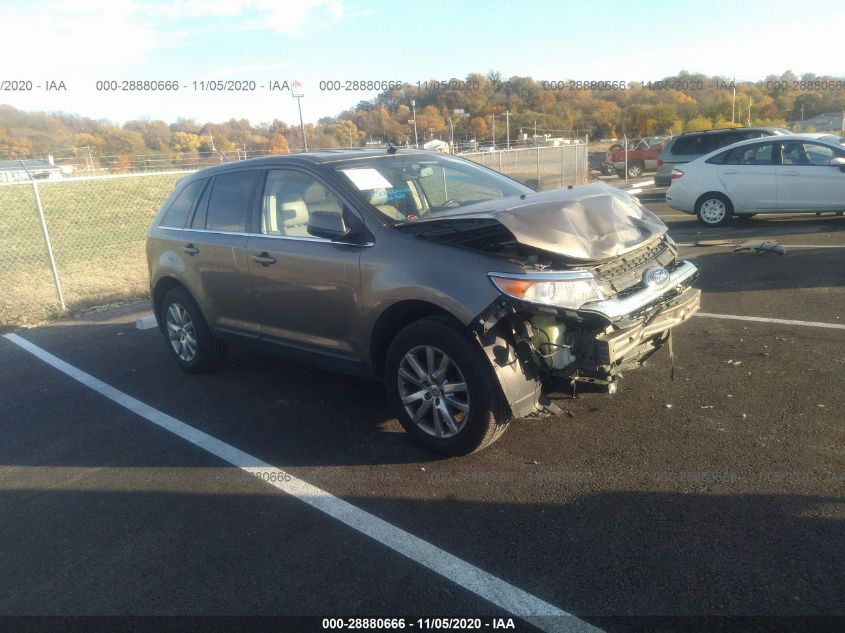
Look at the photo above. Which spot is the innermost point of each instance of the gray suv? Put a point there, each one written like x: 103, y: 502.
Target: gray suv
x: 464, y: 291
x: 688, y: 146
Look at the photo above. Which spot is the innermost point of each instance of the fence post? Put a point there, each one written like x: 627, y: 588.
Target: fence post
x: 500, y: 162
x: 562, y: 161
x: 625, y: 140
x: 586, y: 172
x: 538, y: 168
x: 46, y: 239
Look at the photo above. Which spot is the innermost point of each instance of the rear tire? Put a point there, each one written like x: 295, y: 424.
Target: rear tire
x: 187, y: 335
x: 452, y: 407
x: 714, y: 209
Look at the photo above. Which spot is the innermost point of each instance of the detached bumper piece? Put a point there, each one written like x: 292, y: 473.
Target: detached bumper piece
x: 611, y: 352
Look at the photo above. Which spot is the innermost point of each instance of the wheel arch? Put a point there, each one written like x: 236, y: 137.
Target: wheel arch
x: 395, y: 318
x: 162, y: 287
x: 713, y: 194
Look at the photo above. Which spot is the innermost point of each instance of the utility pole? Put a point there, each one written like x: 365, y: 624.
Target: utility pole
x: 750, y: 101
x: 451, y: 134
x: 301, y: 124
x: 493, y: 116
x: 414, y: 114
x: 733, y: 102
x: 508, y: 127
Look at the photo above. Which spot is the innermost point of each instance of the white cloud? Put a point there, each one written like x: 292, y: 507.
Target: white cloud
x: 290, y: 18
x: 93, y: 34
x: 85, y: 34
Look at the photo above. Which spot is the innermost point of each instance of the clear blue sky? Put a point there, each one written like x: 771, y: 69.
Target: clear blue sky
x: 82, y: 41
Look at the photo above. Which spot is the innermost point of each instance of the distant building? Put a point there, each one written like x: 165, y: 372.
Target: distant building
x: 13, y: 171
x: 437, y: 145
x: 826, y: 122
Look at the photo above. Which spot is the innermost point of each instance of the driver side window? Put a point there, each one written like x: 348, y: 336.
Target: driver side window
x: 288, y: 200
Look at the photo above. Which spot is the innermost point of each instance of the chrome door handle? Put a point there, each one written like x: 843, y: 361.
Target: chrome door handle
x: 790, y: 173
x: 190, y: 249
x: 729, y: 171
x: 265, y: 259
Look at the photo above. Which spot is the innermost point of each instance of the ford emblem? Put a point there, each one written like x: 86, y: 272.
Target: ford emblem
x: 656, y: 277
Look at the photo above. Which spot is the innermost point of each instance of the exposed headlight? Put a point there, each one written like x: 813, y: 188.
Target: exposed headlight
x: 563, y: 290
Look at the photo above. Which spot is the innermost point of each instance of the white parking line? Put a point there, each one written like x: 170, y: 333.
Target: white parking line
x: 736, y: 317
x: 493, y: 589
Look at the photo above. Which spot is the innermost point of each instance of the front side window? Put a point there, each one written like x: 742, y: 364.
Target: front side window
x: 412, y: 187
x: 288, y: 200
x: 751, y: 155
x: 807, y: 154
x: 228, y: 205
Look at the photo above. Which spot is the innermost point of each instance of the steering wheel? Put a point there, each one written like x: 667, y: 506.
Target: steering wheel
x: 457, y: 203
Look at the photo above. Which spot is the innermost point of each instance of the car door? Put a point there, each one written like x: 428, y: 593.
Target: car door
x: 307, y: 289
x: 748, y: 174
x: 213, y: 247
x: 807, y: 181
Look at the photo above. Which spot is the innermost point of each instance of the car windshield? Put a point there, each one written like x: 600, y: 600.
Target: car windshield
x: 830, y: 138
x: 412, y: 187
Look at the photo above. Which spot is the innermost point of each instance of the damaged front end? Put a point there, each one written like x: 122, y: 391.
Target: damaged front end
x: 591, y: 289
x: 639, y: 299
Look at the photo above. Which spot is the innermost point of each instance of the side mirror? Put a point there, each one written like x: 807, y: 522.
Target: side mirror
x: 838, y: 162
x: 327, y: 224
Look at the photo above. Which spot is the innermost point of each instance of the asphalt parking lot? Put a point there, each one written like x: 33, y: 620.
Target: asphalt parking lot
x: 717, y: 494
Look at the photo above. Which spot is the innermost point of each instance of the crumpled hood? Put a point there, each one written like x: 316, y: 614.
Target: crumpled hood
x: 586, y: 223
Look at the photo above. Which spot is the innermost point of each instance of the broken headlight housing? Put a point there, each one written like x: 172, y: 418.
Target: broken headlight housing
x: 560, y: 289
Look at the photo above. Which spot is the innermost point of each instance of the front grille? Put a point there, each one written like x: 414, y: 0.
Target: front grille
x: 624, y: 274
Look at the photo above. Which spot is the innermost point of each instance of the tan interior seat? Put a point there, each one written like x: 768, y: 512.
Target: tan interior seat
x: 318, y: 198
x: 378, y: 198
x: 292, y: 217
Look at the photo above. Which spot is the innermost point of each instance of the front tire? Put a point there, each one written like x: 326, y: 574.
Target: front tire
x: 443, y: 388
x: 714, y: 209
x: 635, y: 170
x: 188, y: 337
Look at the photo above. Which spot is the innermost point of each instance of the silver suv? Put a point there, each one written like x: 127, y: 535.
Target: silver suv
x: 465, y: 291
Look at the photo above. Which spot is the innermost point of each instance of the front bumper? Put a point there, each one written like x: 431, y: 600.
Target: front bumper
x: 625, y: 346
x: 616, y: 308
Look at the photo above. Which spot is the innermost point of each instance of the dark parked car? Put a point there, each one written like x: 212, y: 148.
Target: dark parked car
x: 465, y: 291
x: 688, y: 146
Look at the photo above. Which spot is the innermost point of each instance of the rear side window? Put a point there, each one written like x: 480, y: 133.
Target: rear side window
x: 712, y: 142
x: 686, y: 145
x: 758, y: 154
x: 228, y: 205
x: 180, y: 209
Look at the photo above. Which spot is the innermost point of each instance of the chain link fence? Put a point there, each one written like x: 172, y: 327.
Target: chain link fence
x: 540, y: 168
x: 97, y: 230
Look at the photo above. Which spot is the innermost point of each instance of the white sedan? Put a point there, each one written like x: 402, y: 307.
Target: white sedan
x: 791, y: 173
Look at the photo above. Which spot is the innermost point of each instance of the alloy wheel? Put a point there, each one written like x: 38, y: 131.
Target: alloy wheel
x: 433, y: 391
x: 181, y: 332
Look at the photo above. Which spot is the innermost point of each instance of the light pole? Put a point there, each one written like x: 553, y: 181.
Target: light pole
x: 508, y: 127
x: 414, y: 115
x: 298, y: 93
x: 733, y: 101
